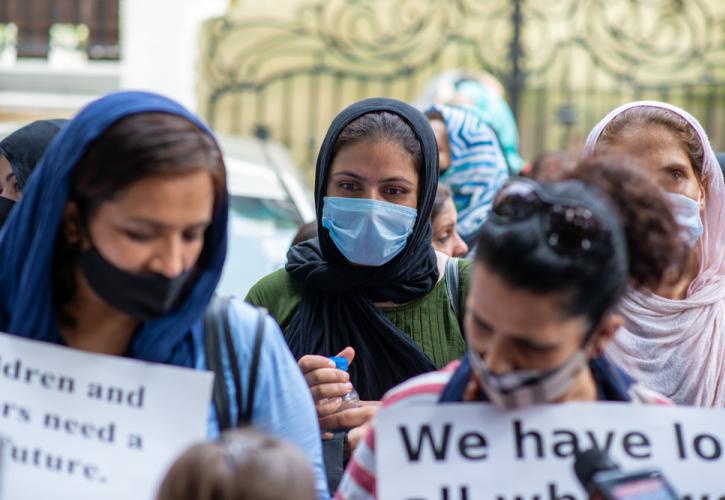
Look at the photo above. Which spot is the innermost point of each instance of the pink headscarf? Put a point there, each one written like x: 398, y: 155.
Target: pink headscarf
x: 677, y: 347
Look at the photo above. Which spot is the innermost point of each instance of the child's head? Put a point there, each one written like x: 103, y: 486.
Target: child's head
x: 241, y: 465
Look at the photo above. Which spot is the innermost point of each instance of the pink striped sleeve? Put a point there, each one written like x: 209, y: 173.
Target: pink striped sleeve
x: 358, y: 483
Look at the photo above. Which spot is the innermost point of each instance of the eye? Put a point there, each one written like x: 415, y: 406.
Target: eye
x: 677, y: 175
x: 443, y: 238
x: 396, y: 191
x: 139, y: 236
x: 348, y: 186
x: 528, y: 348
x: 16, y: 187
x: 194, y: 235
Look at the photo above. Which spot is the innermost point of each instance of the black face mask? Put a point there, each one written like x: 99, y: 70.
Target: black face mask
x: 6, y: 206
x: 142, y: 296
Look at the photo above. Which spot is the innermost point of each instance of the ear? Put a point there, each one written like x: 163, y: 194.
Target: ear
x: 604, y: 333
x: 703, y: 199
x: 71, y: 224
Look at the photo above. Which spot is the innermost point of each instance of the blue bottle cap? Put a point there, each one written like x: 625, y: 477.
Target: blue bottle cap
x: 340, y: 363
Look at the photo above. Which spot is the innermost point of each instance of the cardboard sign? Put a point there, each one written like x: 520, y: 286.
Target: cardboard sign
x: 472, y: 451
x: 75, y: 425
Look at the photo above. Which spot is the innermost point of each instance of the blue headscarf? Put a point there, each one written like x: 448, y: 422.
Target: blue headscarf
x: 495, y: 111
x: 478, y: 167
x: 28, y: 240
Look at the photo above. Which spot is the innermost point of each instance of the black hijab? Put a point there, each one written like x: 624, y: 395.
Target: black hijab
x: 25, y: 147
x: 337, y: 308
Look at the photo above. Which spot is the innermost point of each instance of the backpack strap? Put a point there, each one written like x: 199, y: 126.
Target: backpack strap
x: 453, y: 286
x: 217, y: 330
x: 214, y: 323
x: 254, y: 368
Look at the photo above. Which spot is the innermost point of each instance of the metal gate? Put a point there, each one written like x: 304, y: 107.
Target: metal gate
x: 564, y: 63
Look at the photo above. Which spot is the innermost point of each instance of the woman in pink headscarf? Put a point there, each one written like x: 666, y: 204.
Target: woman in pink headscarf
x: 674, y: 337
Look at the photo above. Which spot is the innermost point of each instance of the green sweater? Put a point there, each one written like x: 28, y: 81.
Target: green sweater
x: 430, y: 320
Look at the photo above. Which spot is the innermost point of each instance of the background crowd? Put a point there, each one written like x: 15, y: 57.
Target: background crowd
x: 441, y: 268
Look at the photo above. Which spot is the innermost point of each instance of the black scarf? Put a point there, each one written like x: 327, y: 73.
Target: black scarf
x: 337, y: 308
x: 25, y: 147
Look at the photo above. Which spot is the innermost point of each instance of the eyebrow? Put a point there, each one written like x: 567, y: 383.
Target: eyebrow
x: 518, y: 338
x: 9, y: 176
x: 161, y: 225
x: 349, y: 173
x: 676, y: 165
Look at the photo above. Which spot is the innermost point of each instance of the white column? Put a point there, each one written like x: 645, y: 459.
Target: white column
x: 160, y: 45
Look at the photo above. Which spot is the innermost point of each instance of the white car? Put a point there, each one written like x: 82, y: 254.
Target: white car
x: 268, y: 202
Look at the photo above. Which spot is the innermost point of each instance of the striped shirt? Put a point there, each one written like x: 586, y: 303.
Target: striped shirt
x: 359, y: 482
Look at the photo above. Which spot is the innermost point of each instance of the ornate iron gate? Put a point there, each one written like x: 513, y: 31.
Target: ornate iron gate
x: 564, y: 63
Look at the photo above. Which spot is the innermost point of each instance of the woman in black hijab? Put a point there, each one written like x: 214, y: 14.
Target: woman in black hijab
x: 371, y: 285
x: 20, y: 153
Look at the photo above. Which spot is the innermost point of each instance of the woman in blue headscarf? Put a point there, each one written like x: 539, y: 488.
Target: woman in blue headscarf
x: 471, y: 163
x: 117, y: 248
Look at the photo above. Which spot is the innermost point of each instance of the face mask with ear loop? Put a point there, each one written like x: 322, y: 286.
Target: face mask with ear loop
x: 143, y: 296
x: 6, y: 206
x: 522, y: 388
x: 687, y: 214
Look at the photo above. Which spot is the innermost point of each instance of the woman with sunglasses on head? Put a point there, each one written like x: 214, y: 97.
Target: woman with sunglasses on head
x: 371, y: 285
x: 117, y: 248
x: 551, y: 263
x: 673, y: 337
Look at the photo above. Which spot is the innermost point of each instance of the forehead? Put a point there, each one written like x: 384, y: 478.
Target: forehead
x: 538, y: 316
x: 374, y: 159
x: 164, y: 197
x: 656, y: 146
x: 5, y: 167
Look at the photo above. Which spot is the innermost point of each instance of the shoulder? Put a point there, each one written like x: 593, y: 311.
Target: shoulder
x: 273, y: 283
x: 244, y: 322
x: 465, y: 269
x: 278, y: 292
x: 425, y: 388
x: 643, y: 395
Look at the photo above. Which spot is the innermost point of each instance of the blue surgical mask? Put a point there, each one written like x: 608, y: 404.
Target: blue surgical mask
x: 687, y: 213
x: 367, y: 232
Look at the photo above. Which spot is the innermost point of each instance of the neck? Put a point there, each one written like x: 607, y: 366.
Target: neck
x: 97, y: 327
x: 676, y: 289
x: 583, y: 389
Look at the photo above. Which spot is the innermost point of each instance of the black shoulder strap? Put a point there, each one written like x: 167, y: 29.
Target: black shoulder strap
x: 213, y: 326
x: 254, y: 368
x: 216, y: 321
x: 453, y: 286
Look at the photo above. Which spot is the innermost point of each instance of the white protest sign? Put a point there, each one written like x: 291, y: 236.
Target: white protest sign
x: 471, y: 451
x: 78, y: 426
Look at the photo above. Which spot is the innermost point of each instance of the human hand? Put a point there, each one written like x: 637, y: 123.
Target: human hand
x: 327, y: 384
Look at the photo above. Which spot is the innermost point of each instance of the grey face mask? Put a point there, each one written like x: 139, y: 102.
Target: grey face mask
x: 519, y: 389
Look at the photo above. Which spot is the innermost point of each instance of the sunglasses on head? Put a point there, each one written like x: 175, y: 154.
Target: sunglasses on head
x: 569, y: 227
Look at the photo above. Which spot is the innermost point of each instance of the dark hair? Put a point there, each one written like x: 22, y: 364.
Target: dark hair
x: 651, y: 116
x: 135, y: 147
x: 381, y: 126
x: 550, y: 166
x: 241, y: 465
x: 443, y: 194
x: 642, y: 245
